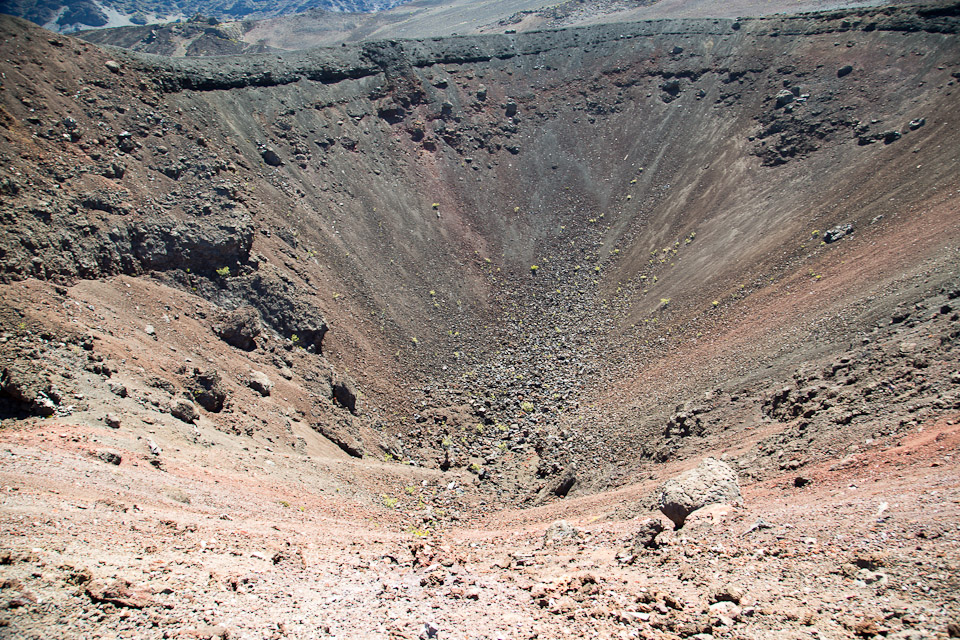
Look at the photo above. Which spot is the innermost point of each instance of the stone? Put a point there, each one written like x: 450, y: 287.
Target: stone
x: 837, y: 232
x: 271, y: 157
x: 646, y: 536
x: 711, y: 482
x: 683, y: 424
x: 184, y: 410
x: 891, y: 135
x: 240, y: 328
x: 345, y: 393
x: 671, y: 86
x: 117, y: 389
x: 119, y: 593
x: 259, y: 382
x: 868, y: 578
x: 845, y: 70
x: 109, y: 456
x: 112, y: 420
x: 727, y: 593
x: 559, y: 531
x: 566, y: 483
x: 916, y: 124
x: 209, y: 390
x: 342, y: 432
x: 510, y: 109
x: 112, y: 66
x: 785, y: 97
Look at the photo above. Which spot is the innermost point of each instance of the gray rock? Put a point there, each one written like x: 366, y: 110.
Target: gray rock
x: 271, y: 157
x: 109, y: 456
x: 510, y: 109
x: 259, y: 382
x: 209, y: 390
x: 559, y: 531
x: 646, y: 536
x: 345, y: 393
x: 112, y: 420
x: 867, y: 577
x: 916, y: 124
x: 112, y: 66
x: 785, y: 97
x: 837, y: 232
x: 671, y: 87
x: 240, y: 328
x: 845, y: 70
x: 26, y: 385
x: 565, y: 483
x: 891, y: 135
x: 711, y: 482
x: 185, y: 410
x: 117, y: 389
x: 342, y: 432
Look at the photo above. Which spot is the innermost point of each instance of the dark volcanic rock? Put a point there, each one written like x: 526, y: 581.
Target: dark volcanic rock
x: 240, y: 328
x: 209, y: 390
x: 271, y: 157
x: 343, y: 432
x: 25, y: 391
x: 345, y: 392
x: 281, y: 306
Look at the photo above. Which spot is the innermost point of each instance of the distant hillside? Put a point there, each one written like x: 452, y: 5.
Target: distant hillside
x: 73, y: 15
x: 314, y: 27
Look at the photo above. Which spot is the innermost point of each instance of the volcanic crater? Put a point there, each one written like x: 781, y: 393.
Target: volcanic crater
x: 403, y: 339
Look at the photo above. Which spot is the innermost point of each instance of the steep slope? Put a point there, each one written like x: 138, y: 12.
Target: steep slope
x: 456, y: 205
x: 530, y: 267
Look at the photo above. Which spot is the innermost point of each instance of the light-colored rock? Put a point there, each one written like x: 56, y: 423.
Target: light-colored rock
x: 259, y: 382
x: 559, y: 531
x: 711, y: 482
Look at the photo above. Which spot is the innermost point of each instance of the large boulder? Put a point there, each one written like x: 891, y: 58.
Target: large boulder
x: 711, y: 482
x: 240, y: 328
x: 209, y: 390
x: 345, y: 392
x: 259, y: 382
x: 184, y: 410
